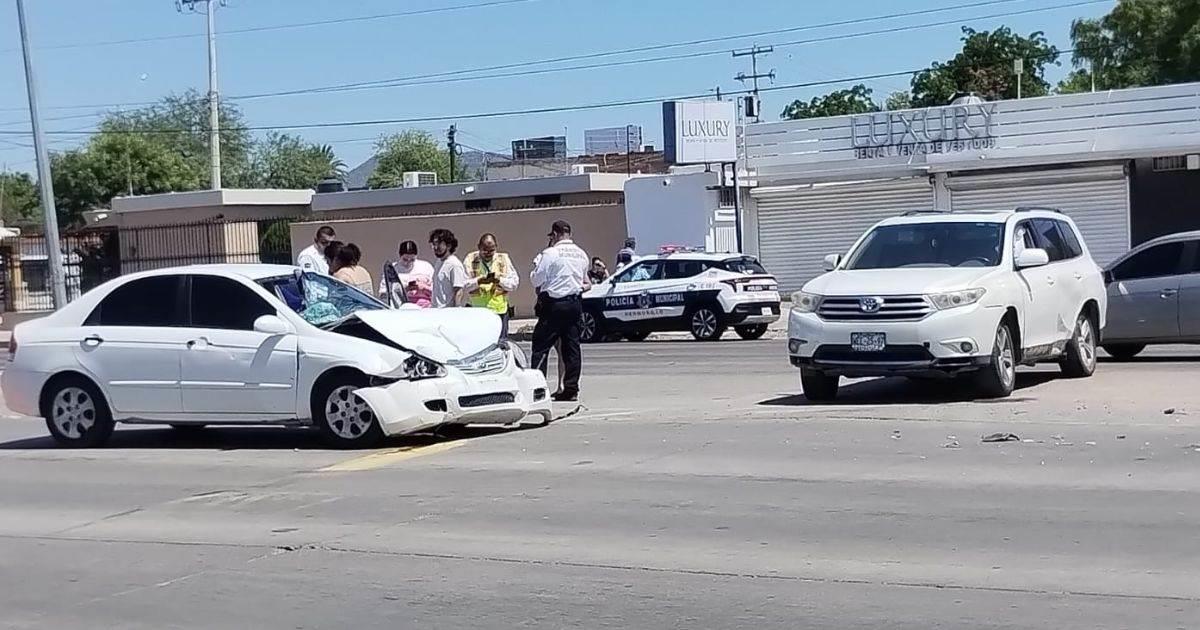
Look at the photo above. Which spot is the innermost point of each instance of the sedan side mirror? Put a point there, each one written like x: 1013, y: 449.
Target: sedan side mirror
x: 1032, y: 258
x: 272, y: 325
x: 832, y: 261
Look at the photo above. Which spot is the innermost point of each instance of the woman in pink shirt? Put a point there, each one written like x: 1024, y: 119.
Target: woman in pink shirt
x: 415, y: 284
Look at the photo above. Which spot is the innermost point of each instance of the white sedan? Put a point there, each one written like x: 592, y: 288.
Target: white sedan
x: 258, y: 345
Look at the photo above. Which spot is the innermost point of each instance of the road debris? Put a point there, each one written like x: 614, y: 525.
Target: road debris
x: 952, y: 444
x: 1001, y: 437
x: 896, y: 434
x: 1169, y: 411
x: 1121, y: 437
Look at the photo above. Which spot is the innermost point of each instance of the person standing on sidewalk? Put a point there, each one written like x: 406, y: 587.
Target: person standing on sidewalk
x: 449, y: 275
x: 492, y: 278
x: 312, y: 258
x: 560, y: 275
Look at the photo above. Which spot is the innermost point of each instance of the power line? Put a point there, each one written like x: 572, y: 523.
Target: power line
x: 280, y: 27
x: 457, y: 75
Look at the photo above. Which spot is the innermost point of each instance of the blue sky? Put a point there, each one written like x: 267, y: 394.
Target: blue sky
x: 298, y: 58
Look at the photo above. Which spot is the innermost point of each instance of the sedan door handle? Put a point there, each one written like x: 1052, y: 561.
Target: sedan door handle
x: 200, y: 341
x: 1078, y: 276
x: 93, y: 340
x: 1168, y: 293
x: 1050, y: 280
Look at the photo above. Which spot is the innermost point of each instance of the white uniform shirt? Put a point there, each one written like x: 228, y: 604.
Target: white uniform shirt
x: 448, y: 274
x: 561, y: 270
x: 310, y: 259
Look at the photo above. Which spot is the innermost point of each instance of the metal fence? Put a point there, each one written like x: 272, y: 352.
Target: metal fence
x: 95, y: 255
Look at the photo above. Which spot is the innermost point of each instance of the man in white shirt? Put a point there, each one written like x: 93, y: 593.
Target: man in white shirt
x: 559, y: 276
x: 449, y: 274
x: 312, y: 258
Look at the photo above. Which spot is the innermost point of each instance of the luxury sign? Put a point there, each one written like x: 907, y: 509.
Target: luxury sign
x: 908, y: 133
x: 699, y: 132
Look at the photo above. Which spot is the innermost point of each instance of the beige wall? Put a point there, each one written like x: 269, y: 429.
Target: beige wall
x: 599, y: 229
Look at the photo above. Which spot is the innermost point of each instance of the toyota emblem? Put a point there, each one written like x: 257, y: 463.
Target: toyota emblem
x: 870, y: 304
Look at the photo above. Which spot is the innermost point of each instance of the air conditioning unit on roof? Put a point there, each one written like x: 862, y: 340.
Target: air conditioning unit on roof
x: 414, y: 179
x: 581, y: 169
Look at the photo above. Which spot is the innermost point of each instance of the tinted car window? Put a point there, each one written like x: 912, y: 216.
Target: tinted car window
x: 678, y: 269
x: 1161, y: 260
x: 1074, y: 248
x: 645, y: 270
x: 930, y: 245
x: 226, y: 304
x: 150, y: 301
x: 1050, y: 239
x: 744, y: 265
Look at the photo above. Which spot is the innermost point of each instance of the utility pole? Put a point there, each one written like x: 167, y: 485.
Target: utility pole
x: 214, y: 98
x: 628, y: 163
x: 53, y: 252
x: 453, y: 146
x: 753, y: 53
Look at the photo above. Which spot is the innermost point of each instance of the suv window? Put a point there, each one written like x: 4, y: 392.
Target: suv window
x: 1049, y: 239
x: 678, y: 269
x: 1195, y: 268
x: 1160, y: 260
x: 645, y: 270
x: 746, y: 265
x: 226, y: 304
x: 152, y: 301
x: 951, y: 244
x: 1074, y: 248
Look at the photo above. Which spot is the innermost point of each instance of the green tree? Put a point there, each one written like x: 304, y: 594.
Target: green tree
x: 856, y: 100
x: 1138, y: 43
x: 19, y: 198
x: 180, y: 124
x: 286, y: 161
x: 410, y: 150
x: 899, y: 100
x: 985, y: 66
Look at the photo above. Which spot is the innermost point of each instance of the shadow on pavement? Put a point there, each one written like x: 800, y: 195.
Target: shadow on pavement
x: 901, y: 391
x: 250, y: 438
x: 1157, y: 358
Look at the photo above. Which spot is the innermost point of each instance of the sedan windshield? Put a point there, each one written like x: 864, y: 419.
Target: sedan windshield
x: 930, y: 245
x: 318, y: 298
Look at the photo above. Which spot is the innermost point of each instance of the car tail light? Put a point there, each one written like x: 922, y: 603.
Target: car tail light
x: 736, y: 283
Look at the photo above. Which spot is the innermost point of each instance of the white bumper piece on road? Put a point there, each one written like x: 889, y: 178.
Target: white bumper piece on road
x: 504, y: 398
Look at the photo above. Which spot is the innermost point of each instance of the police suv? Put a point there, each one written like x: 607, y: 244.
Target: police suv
x: 699, y: 292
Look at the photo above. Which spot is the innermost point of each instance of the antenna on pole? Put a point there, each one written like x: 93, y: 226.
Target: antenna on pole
x: 753, y: 52
x: 214, y: 98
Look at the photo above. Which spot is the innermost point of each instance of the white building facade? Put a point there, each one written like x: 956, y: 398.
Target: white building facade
x: 822, y: 182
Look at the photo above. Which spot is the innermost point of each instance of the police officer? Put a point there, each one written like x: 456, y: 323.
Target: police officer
x: 560, y: 276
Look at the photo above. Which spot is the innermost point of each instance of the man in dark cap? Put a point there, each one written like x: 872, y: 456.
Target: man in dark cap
x: 559, y: 276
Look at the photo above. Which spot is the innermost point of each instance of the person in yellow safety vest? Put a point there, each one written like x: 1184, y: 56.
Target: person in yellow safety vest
x: 492, y: 277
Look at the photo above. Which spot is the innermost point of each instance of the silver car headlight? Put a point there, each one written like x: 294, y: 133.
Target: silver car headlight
x: 955, y: 299
x: 805, y: 302
x: 416, y: 368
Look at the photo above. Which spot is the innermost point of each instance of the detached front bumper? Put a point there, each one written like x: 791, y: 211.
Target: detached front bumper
x: 943, y: 343
x: 504, y: 398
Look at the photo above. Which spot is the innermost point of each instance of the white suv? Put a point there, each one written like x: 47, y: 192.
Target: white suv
x: 939, y: 294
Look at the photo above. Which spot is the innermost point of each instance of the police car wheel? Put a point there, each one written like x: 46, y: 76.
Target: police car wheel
x: 706, y: 324
x: 589, y: 328
x: 751, y: 332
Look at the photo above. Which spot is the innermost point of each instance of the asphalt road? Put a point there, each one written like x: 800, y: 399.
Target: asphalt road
x: 696, y: 489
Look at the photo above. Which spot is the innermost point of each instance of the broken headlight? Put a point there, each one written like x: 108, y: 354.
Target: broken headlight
x: 518, y: 354
x: 416, y: 368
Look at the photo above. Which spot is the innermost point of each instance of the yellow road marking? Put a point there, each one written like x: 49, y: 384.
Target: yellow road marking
x: 381, y: 459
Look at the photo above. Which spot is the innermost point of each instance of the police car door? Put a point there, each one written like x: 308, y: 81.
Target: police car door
x: 631, y: 300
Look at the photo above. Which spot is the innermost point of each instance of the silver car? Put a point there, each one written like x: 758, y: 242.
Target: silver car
x: 1153, y: 295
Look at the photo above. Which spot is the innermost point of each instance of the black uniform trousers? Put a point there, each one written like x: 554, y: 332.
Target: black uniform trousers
x: 558, y: 319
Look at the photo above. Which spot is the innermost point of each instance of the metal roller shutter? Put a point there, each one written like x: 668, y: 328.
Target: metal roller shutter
x: 1096, y: 198
x: 798, y: 227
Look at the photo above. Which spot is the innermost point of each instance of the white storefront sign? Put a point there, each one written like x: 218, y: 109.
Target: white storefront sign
x: 699, y: 132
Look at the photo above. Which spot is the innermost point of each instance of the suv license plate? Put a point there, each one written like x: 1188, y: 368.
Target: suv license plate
x: 868, y: 342
x: 767, y: 311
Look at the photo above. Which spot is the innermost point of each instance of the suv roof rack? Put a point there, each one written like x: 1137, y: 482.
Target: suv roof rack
x: 1038, y: 209
x: 911, y: 213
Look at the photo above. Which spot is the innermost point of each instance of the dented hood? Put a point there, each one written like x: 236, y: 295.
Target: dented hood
x: 443, y: 335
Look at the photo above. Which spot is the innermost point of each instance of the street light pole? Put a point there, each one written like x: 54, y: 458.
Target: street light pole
x: 214, y: 98
x: 54, y: 257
